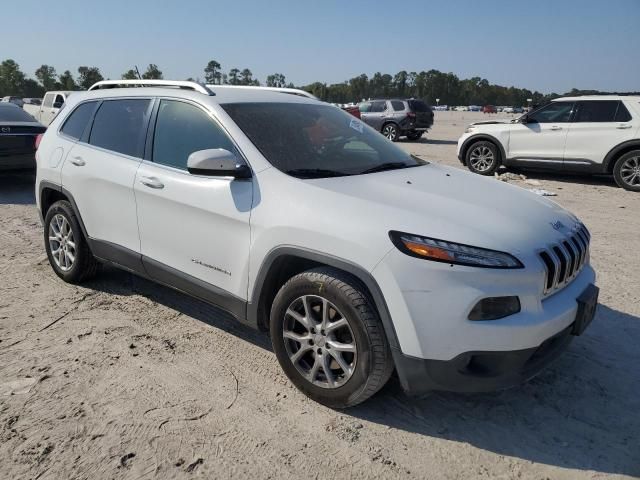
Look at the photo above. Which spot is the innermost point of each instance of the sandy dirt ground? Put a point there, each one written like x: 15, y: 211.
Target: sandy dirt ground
x: 121, y: 378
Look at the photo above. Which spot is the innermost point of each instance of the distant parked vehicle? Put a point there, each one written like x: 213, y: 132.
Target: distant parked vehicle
x: 462, y: 109
x: 395, y: 118
x: 589, y: 134
x: 32, y: 101
x: 51, y: 105
x: 475, y: 108
x: 18, y: 134
x: 518, y: 110
x: 507, y: 110
x: 15, y: 100
x: 352, y: 109
x: 489, y: 109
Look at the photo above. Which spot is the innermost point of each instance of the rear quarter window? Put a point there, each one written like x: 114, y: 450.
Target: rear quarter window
x: 78, y: 120
x: 622, y: 115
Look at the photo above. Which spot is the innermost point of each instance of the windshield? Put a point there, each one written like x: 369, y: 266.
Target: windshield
x: 313, y: 141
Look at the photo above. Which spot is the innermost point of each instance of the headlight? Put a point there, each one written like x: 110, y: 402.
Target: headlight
x: 469, y: 129
x: 449, y: 252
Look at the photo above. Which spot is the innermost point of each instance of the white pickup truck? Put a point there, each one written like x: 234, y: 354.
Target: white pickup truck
x: 51, y: 104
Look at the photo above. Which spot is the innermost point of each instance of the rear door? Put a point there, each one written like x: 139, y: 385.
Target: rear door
x: 192, y: 226
x: 541, y: 141
x: 423, y: 113
x: 597, y: 127
x: 100, y: 169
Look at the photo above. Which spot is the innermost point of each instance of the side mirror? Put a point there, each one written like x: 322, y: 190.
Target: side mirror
x: 217, y: 162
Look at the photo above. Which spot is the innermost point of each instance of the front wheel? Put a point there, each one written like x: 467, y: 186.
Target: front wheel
x: 626, y: 171
x: 329, y: 338
x: 390, y: 130
x: 482, y: 158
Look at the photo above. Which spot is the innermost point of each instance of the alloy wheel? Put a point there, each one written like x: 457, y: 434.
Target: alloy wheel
x: 630, y: 171
x: 319, y: 341
x: 390, y: 131
x: 481, y: 158
x: 62, y: 243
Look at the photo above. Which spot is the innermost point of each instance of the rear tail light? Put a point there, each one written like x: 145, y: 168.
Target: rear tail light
x: 38, y: 140
x: 411, y: 114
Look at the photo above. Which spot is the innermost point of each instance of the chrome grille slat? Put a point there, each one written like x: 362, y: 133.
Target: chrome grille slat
x: 563, y: 261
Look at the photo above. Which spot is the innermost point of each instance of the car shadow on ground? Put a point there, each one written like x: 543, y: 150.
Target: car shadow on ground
x: 581, y: 413
x: 597, y: 180
x: 16, y: 187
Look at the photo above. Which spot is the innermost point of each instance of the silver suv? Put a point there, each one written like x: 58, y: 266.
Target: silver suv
x: 395, y: 118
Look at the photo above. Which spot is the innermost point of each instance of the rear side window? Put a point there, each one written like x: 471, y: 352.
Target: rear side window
x: 397, y: 105
x: 597, y: 111
x: 622, y: 115
x: 120, y: 125
x: 76, y: 123
x: 182, y: 129
x: 419, y: 106
x: 377, y: 107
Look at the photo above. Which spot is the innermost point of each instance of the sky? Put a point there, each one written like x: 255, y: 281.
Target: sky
x: 546, y: 45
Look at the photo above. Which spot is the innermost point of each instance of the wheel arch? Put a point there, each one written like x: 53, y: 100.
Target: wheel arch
x: 478, y: 138
x: 617, y: 151
x: 49, y: 193
x: 284, y: 262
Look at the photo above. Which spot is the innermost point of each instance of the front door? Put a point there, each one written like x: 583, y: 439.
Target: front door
x: 192, y: 227
x: 542, y: 139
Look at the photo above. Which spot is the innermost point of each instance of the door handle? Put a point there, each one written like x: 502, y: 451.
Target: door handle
x: 151, y: 182
x: 78, y: 161
x: 555, y: 127
x: 622, y: 127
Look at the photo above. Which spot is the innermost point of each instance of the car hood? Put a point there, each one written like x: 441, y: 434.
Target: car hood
x: 451, y: 204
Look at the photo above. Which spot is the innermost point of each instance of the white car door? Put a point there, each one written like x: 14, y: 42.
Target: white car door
x: 192, y: 226
x: 100, y: 169
x: 597, y: 127
x: 47, y: 106
x: 542, y: 138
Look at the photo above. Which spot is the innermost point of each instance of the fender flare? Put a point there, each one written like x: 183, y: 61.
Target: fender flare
x: 481, y: 136
x: 615, y: 152
x: 59, y: 188
x: 362, y: 275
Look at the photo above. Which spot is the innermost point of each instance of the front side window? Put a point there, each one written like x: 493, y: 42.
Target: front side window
x: 181, y: 129
x: 596, y: 111
x: 74, y: 125
x: 120, y: 126
x: 314, y: 141
x: 377, y: 107
x: 555, y: 112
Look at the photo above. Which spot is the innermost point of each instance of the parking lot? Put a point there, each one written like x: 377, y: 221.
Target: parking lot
x: 122, y: 378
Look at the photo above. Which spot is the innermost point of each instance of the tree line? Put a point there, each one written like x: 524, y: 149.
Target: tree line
x: 432, y: 86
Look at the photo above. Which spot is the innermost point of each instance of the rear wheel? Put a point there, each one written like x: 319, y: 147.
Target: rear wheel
x: 626, y: 171
x: 329, y: 339
x: 414, y: 135
x: 482, y: 158
x: 66, y: 247
x: 390, y: 130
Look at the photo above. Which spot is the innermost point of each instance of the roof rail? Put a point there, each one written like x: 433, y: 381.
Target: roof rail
x: 195, y: 86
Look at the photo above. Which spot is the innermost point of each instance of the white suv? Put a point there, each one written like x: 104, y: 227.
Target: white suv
x: 302, y: 221
x: 589, y: 134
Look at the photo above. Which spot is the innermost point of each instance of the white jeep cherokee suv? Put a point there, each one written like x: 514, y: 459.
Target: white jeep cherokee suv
x: 298, y: 219
x: 588, y: 134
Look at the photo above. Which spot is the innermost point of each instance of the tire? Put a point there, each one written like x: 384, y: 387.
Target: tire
x: 626, y: 171
x: 75, y: 263
x: 413, y: 136
x: 482, y: 158
x: 363, y: 371
x: 391, y: 131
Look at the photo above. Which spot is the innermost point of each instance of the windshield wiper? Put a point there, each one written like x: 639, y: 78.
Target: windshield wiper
x: 315, y: 173
x: 387, y: 166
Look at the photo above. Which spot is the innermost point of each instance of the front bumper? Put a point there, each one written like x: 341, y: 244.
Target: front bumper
x: 479, y: 371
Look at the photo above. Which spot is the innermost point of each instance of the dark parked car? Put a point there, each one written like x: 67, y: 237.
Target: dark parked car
x: 395, y: 118
x: 18, y: 134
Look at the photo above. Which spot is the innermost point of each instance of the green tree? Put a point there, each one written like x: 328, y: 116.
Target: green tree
x: 66, y: 81
x: 152, y: 73
x: 130, y: 74
x: 234, y: 78
x: 46, y: 75
x: 276, y: 80
x: 11, y: 78
x: 87, y: 76
x: 246, y: 77
x: 212, y: 73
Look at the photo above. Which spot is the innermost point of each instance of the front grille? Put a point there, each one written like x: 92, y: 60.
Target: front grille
x: 564, y: 260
